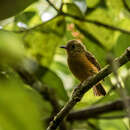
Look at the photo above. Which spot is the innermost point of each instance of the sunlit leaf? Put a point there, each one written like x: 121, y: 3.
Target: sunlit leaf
x: 81, y: 4
x: 121, y: 45
x: 45, y: 40
x: 72, y: 9
x: 97, y: 51
x: 43, y: 31
x: 25, y: 17
x: 116, y: 124
x: 93, y: 3
x: 89, y: 36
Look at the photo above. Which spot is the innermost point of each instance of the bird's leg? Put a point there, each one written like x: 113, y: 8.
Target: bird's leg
x: 78, y: 86
x: 81, y: 83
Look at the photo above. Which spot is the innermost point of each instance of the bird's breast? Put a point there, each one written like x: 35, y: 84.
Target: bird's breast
x: 81, y: 67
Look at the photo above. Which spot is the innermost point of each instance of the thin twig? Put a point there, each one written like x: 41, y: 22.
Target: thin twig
x: 60, y: 12
x: 125, y: 5
x: 96, y: 23
x: 51, y: 4
x: 90, y: 36
x: 35, y: 27
x: 88, y: 20
x: 122, y: 91
x: 84, y: 87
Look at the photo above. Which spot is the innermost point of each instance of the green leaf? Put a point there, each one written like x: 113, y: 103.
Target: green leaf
x: 93, y: 3
x: 25, y: 17
x: 98, y: 52
x: 72, y: 9
x: 87, y: 100
x: 19, y: 109
x: 121, y: 45
x: 42, y: 42
x: 128, y: 3
x: 81, y: 4
x: 111, y: 97
x: 11, y: 48
x: 61, y: 67
x: 86, y: 125
x: 8, y: 9
x: 127, y: 83
x: 116, y: 124
x: 48, y: 77
x: 53, y: 81
x: 89, y: 36
x: 56, y: 26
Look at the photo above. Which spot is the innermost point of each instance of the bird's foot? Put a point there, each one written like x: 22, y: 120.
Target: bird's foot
x: 77, y: 87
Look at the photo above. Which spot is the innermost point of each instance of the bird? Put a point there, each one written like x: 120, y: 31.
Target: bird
x: 83, y: 64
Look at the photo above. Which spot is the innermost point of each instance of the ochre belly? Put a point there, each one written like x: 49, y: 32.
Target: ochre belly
x: 82, y: 68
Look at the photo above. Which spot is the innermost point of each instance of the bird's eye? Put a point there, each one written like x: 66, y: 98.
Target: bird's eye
x: 73, y: 46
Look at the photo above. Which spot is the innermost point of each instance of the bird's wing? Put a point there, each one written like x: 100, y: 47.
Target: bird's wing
x: 92, y: 59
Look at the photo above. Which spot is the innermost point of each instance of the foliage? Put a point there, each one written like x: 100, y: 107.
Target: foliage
x: 31, y: 39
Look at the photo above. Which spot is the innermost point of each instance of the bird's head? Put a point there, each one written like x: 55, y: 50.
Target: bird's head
x: 74, y: 47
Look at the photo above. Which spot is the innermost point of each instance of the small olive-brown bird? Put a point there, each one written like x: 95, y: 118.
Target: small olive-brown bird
x: 83, y: 64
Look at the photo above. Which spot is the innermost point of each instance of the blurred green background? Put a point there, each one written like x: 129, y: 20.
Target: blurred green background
x: 31, y: 33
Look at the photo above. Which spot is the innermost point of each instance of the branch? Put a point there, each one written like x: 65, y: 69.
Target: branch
x: 85, y: 86
x: 96, y: 23
x: 35, y: 27
x: 39, y: 26
x: 45, y: 91
x: 51, y: 4
x: 95, y: 111
x: 122, y: 91
x: 60, y: 12
x: 125, y: 4
x: 90, y: 36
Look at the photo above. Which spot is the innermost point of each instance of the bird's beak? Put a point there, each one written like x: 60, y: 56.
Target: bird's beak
x: 65, y: 47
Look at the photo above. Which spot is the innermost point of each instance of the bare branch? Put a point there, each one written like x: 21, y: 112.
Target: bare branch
x: 97, y: 110
x: 84, y: 87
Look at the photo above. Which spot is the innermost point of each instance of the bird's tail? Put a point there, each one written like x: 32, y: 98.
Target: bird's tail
x: 98, y: 90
